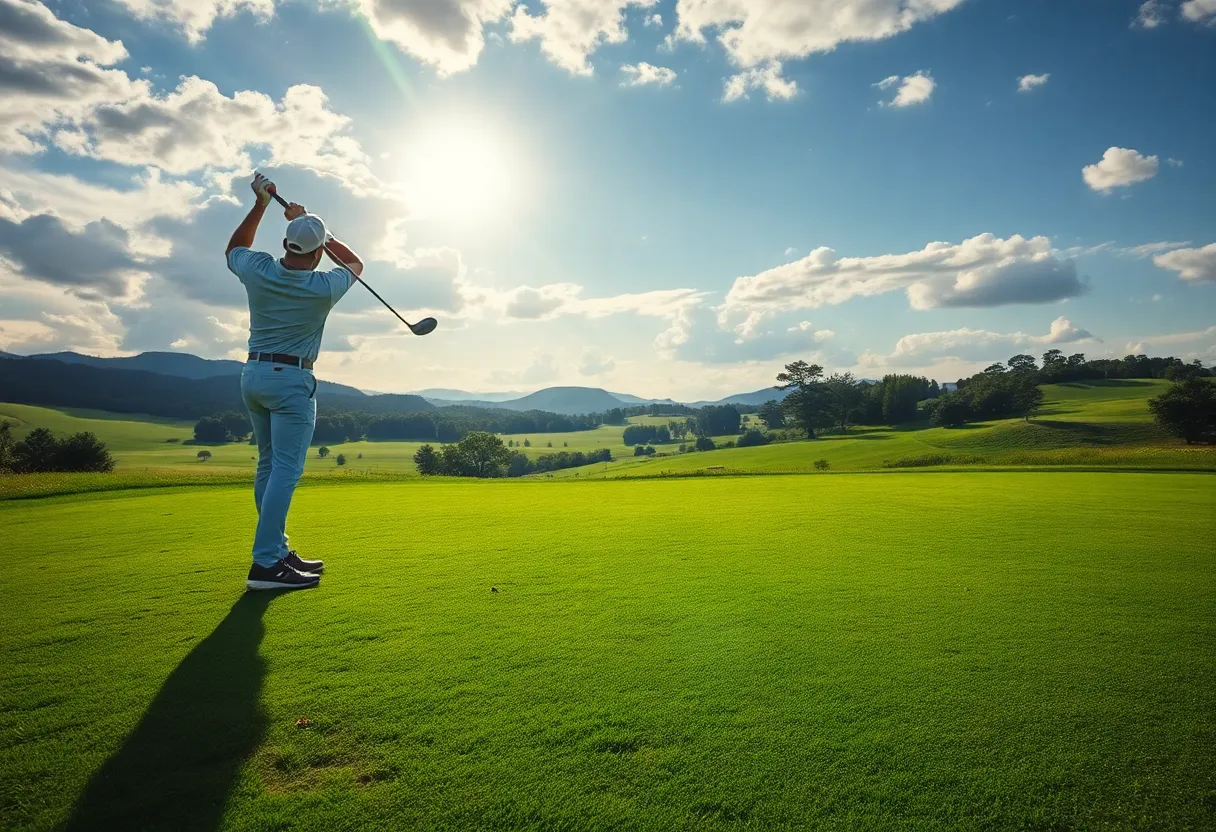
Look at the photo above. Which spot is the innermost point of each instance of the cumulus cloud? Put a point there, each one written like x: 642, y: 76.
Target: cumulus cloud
x: 1029, y: 82
x: 697, y: 334
x: 767, y: 78
x: 764, y: 32
x: 1195, y: 265
x: 654, y: 20
x: 59, y: 89
x: 638, y: 75
x: 593, y: 364
x: 52, y: 71
x: 570, y: 30
x: 1199, y: 11
x: 94, y: 263
x: 195, y: 17
x: 1119, y: 168
x: 973, y: 345
x: 982, y: 271
x: 447, y: 34
x: 911, y: 89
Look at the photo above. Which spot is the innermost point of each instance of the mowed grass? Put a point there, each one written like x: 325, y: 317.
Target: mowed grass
x: 901, y: 651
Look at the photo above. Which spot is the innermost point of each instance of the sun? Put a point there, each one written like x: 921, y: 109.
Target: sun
x: 459, y: 173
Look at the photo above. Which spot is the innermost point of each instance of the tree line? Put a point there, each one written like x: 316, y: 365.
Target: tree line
x: 484, y: 455
x: 41, y: 452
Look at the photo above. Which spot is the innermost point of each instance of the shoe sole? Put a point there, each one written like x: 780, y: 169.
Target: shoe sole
x: 258, y: 585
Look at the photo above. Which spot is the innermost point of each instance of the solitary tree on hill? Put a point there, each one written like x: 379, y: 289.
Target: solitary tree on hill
x: 322, y: 452
x: 203, y: 455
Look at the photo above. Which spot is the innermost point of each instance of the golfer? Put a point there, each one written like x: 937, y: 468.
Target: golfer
x: 289, y: 300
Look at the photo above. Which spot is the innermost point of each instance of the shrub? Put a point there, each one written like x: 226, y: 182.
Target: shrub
x: 340, y: 459
x: 822, y: 465
x: 704, y: 443
x: 752, y: 438
x: 40, y: 452
x: 643, y: 450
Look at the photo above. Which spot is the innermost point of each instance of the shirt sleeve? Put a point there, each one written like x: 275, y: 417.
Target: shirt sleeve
x: 243, y: 262
x: 339, y: 281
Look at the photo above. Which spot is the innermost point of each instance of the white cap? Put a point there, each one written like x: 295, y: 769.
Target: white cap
x: 306, y: 234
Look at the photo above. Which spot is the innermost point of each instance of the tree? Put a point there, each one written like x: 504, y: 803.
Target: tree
x: 1180, y: 372
x: 804, y: 405
x: 1054, y: 366
x: 210, y: 429
x: 1023, y: 364
x: 484, y: 454
x: 1188, y: 410
x: 949, y: 411
x: 1027, y: 396
x: 771, y: 414
x: 704, y: 443
x: 752, y: 438
x: 716, y: 420
x: 6, y: 446
x: 427, y: 461
x: 519, y: 465
x: 900, y: 396
x: 643, y: 450
x: 36, y: 453
x: 83, y: 452
x: 203, y: 455
x: 340, y: 459
x: 236, y: 424
x: 841, y: 398
x: 322, y: 452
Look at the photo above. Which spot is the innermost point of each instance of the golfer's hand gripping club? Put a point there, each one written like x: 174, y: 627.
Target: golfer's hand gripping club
x: 423, y: 327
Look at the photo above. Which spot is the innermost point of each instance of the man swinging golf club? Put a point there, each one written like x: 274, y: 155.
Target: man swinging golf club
x: 289, y: 300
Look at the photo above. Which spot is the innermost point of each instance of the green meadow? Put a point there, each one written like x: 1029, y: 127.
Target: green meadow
x: 964, y: 650
x: 992, y: 646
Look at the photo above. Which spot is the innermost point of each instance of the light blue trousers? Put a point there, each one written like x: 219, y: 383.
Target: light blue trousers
x: 282, y: 406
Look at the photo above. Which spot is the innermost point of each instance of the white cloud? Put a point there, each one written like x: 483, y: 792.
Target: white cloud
x: 697, y: 334
x: 1148, y: 249
x: 1174, y: 163
x: 1196, y: 265
x: 767, y: 32
x: 53, y: 72
x: 1119, y: 168
x: 767, y: 78
x: 1199, y: 11
x: 981, y: 271
x: 59, y: 91
x: 593, y: 364
x: 644, y: 73
x: 447, y: 34
x: 654, y: 20
x: 195, y: 17
x: 972, y: 345
x: 913, y: 89
x: 1151, y: 14
x: 1028, y: 82
x: 570, y: 30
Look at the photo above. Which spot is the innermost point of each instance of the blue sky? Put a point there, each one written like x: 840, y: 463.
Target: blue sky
x: 665, y: 198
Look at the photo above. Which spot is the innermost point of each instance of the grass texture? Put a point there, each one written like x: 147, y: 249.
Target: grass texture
x: 979, y: 651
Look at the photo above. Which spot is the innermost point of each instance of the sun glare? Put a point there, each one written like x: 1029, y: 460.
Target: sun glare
x: 459, y: 173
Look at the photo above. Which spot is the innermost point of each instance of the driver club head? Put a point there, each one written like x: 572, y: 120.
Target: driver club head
x: 424, y: 327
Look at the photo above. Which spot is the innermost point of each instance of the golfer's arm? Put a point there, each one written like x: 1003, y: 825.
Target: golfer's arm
x: 343, y: 256
x: 245, y: 232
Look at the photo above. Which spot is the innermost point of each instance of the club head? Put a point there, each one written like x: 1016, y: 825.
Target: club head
x: 424, y: 327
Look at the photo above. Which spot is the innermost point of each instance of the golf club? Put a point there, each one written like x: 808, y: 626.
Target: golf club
x: 423, y: 327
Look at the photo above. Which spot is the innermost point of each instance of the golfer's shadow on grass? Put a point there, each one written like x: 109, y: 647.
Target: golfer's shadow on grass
x: 177, y: 768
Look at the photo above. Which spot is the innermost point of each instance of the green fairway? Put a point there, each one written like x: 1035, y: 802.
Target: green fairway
x: 981, y: 651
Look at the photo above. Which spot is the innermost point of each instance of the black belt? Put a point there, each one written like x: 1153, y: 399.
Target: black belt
x: 280, y: 358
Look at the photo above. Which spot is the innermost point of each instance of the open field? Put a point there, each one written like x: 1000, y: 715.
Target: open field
x: 963, y: 651
x: 1086, y: 425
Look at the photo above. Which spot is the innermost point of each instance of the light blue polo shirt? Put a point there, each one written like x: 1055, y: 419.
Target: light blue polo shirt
x: 287, y: 308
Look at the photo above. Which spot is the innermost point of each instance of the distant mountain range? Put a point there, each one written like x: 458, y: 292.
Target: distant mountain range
x: 212, y: 374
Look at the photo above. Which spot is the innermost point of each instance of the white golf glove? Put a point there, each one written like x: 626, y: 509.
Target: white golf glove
x: 263, y: 187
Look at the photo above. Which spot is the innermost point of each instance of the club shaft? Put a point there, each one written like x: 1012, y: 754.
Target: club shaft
x: 375, y: 294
